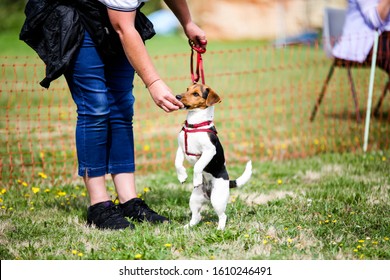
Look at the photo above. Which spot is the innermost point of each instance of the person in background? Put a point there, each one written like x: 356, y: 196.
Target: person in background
x: 363, y: 18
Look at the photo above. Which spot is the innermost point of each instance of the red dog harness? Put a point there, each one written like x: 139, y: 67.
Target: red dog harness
x: 192, y: 128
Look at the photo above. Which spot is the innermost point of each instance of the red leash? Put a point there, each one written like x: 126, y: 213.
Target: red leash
x: 199, y: 63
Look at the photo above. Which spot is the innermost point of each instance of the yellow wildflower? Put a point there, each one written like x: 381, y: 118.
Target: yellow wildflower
x: 80, y: 254
x: 35, y: 189
x: 3, y: 191
x: 146, y: 148
x: 168, y: 245
x: 61, y: 193
x: 42, y: 175
x: 138, y: 256
x: 146, y: 190
x: 280, y: 181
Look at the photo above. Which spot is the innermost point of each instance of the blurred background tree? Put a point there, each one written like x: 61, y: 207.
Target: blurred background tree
x: 11, y: 14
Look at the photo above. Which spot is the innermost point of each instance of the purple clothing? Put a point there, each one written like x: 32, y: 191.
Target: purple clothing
x: 361, y: 21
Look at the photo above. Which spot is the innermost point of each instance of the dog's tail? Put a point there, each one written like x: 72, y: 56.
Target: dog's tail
x: 243, y: 178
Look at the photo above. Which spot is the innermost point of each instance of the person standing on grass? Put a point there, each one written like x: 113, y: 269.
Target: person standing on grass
x: 362, y: 19
x: 100, y: 77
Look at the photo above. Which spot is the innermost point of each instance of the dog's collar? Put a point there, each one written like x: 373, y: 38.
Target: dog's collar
x: 197, y: 125
x: 192, y: 128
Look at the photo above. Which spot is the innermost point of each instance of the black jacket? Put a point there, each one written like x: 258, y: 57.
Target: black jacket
x: 55, y: 30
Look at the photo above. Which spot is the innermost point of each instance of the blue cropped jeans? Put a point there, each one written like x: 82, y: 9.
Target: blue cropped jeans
x: 103, y: 94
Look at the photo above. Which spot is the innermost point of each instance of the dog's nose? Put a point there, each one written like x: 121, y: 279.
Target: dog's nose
x: 178, y: 97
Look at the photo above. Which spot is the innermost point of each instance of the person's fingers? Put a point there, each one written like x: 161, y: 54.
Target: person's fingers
x: 202, y: 40
x: 169, y: 106
x: 176, y: 102
x: 172, y: 106
x: 165, y: 99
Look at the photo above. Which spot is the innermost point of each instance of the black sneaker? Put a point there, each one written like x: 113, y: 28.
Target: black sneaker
x: 137, y: 210
x: 106, y: 215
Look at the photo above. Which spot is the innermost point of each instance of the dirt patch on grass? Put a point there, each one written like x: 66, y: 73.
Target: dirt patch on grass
x: 257, y: 198
x: 311, y: 176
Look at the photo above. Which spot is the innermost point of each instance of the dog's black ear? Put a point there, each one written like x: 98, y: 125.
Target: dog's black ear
x: 212, y: 98
x: 205, y: 92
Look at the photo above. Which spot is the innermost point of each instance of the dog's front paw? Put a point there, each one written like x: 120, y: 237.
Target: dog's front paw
x: 181, y: 174
x: 198, y: 179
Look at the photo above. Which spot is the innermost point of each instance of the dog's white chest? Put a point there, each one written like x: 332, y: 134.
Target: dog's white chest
x: 193, y: 144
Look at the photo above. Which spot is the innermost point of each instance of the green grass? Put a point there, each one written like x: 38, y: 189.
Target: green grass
x: 326, y: 207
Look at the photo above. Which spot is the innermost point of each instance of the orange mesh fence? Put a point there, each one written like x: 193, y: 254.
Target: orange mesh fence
x: 267, y: 98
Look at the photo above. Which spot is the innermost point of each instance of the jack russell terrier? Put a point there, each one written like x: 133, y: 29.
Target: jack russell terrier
x: 200, y: 146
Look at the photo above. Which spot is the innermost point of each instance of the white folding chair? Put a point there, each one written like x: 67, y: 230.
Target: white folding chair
x: 332, y: 30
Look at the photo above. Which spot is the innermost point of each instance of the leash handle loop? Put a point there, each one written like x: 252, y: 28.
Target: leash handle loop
x: 199, y: 73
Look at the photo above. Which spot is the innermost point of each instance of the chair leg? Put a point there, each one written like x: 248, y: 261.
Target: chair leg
x: 379, y: 104
x: 321, y: 96
x: 352, y: 84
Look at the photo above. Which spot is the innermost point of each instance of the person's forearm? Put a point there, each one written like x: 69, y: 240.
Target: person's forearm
x: 135, y: 50
x: 196, y: 35
x: 180, y: 9
x: 139, y: 58
x: 384, y: 9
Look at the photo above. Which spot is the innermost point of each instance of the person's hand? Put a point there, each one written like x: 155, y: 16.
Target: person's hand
x: 196, y: 35
x: 163, y: 97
